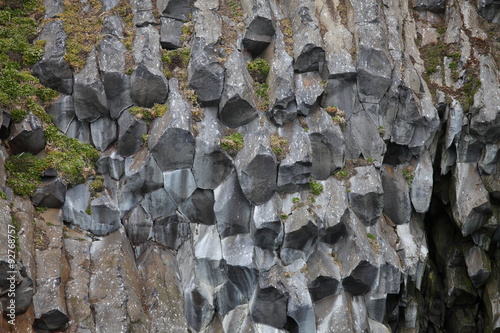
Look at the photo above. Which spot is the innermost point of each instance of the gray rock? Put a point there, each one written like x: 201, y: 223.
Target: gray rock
x: 171, y: 31
x: 206, y: 74
x: 212, y: 158
x: 469, y: 198
x: 435, y: 6
x: 53, y: 70
x: 308, y: 89
x: 103, y: 131
x: 112, y: 164
x: 397, y: 205
x: 79, y: 130
x: 105, y: 215
x: 226, y: 298
x: 300, y: 235
x: 27, y: 136
x: 112, y: 67
x: 458, y: 287
x: 327, y: 144
x: 367, y: 195
x: 491, y: 295
x: 208, y: 262
x: 336, y: 211
x: 113, y: 25
x: 360, y: 279
x: 51, y: 195
x: 266, y: 227
x: 478, y: 265
x: 468, y: 149
x: 170, y: 141
x: 323, y: 278
x: 489, y: 10
x: 308, y: 51
x: 236, y: 106
x: 282, y: 98
x: 487, y: 163
x: 158, y: 203
x: 256, y: 156
x: 62, y: 112
x: 138, y: 225
x: 148, y: 84
x: 199, y: 207
x: 130, y: 134
x: 142, y: 174
x: 51, y: 320
x: 53, y: 8
x: 176, y: 9
x: 362, y: 135
x: 198, y: 306
x: 179, y: 184
x: 110, y: 4
x: 260, y: 29
x: 75, y: 206
x: 114, y: 286
x: 332, y: 314
x: 232, y: 209
x: 342, y: 93
x: 171, y: 230
x: 143, y: 13
x: 89, y: 97
x: 295, y: 170
x: 421, y: 187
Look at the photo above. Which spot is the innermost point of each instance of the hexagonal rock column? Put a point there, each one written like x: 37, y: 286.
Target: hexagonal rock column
x: 103, y: 131
x: 256, y: 156
x: 308, y: 49
x: 478, y: 265
x: 327, y: 143
x: 308, y: 88
x: 27, y: 136
x: 105, y: 215
x: 138, y: 225
x: 323, y: 278
x: 171, y: 230
x: 397, y: 205
x: 236, y: 106
x: 130, y: 133
x: 232, y: 209
x: 170, y: 141
x: 266, y: 227
x: 51, y: 195
x: 469, y: 198
x: 148, y: 83
x: 334, y: 211
x: 260, y: 29
x: 177, y: 9
x: 199, y: 207
x: 421, y: 187
x: 366, y: 195
x: 53, y: 70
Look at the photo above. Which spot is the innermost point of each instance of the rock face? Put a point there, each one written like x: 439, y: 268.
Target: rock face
x: 357, y: 189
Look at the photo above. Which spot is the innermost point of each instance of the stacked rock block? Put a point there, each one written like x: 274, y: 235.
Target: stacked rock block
x: 363, y: 197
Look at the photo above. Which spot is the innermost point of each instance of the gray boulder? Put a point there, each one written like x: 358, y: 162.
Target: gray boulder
x: 199, y: 207
x: 89, y: 97
x: 170, y: 141
x: 113, y: 25
x: 172, y: 230
x: 422, y: 184
x: 362, y: 134
x: 105, y: 215
x: 62, y: 112
x: 327, y: 144
x: 138, y: 225
x: 487, y: 163
x: 300, y: 235
x: 260, y: 29
x: 232, y: 209
x: 148, y: 83
x: 130, y: 134
x: 367, y: 195
x: 210, y: 157
x: 198, y: 306
x: 397, y: 204
x: 236, y: 106
x: 266, y: 227
x: 111, y: 163
x: 75, y: 206
x: 142, y: 174
x: 143, y: 13
x: 51, y: 195
x: 323, y: 278
x: 170, y: 33
x: 335, y: 214
x: 103, y: 131
x: 478, y: 265
x: 53, y: 70
x: 308, y: 89
x: 489, y: 9
x: 179, y: 184
x: 176, y: 9
x: 158, y: 203
x: 27, y: 136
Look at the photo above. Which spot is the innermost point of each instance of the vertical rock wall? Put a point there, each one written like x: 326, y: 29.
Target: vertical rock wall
x: 364, y: 197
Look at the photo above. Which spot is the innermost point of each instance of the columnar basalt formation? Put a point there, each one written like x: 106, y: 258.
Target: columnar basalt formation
x: 347, y: 181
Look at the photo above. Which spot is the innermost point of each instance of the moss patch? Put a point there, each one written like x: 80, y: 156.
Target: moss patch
x: 280, y: 146
x: 232, y: 143
x: 148, y: 114
x: 258, y: 69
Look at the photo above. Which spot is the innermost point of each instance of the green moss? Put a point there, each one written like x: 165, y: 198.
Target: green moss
x: 371, y: 236
x: 262, y: 95
x: 279, y: 146
x: 97, y: 185
x: 295, y: 200
x: 258, y: 69
x: 148, y: 114
x: 315, y: 187
x: 341, y: 174
x: 177, y: 58
x: 409, y: 174
x: 3, y: 195
x: 283, y: 216
x: 232, y: 143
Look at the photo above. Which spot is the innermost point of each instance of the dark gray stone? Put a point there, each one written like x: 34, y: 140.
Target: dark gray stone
x: 109, y: 4
x: 113, y: 25
x: 478, y: 265
x: 232, y: 209
x: 53, y: 8
x: 75, y: 206
x: 158, y: 203
x: 300, y: 234
x: 327, y: 144
x: 308, y: 89
x: 336, y: 212
x: 458, y: 287
x: 51, y: 195
x: 366, y: 195
x: 421, y: 187
x: 51, y: 321
x: 112, y: 164
x: 199, y: 207
x: 53, y: 70
x: 27, y: 136
x: 361, y: 279
x: 489, y: 9
x: 143, y: 13
x: 179, y: 184
x: 236, y: 106
x: 323, y: 274
x: 142, y: 174
x: 130, y: 134
x: 176, y: 9
x: 171, y: 31
x: 138, y: 225
x: 342, y: 93
x: 260, y: 29
x: 105, y: 215
x: 198, y: 306
x: 170, y: 141
x: 62, y: 112
x: 227, y: 297
x: 266, y: 227
x: 171, y: 230
x: 489, y: 157
x: 103, y: 131
x: 211, y: 166
x: 397, y: 205
x: 435, y: 6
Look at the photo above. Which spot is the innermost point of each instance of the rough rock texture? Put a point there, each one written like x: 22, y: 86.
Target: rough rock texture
x: 364, y: 197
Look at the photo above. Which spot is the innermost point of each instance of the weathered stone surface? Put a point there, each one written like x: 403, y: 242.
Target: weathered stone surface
x: 171, y: 230
x: 170, y: 141
x: 436, y: 6
x: 256, y: 156
x: 308, y: 89
x: 105, y: 215
x: 148, y: 84
x: 62, y: 112
x: 75, y: 206
x: 323, y: 274
x: 27, y: 136
x: 362, y: 135
x: 422, y: 184
x: 114, y: 289
x: 130, y: 134
x: 367, y: 195
x: 489, y: 10
x: 260, y: 29
x: 111, y: 57
x: 335, y: 213
x: 332, y: 316
x: 469, y: 198
x: 177, y: 9
x: 478, y: 265
x: 179, y: 184
x: 266, y: 227
x: 143, y: 13
x: 171, y: 31
x: 53, y: 70
x: 206, y: 74
x: 158, y: 203
x: 397, y: 205
x: 458, y: 287
x: 327, y: 144
x: 112, y: 164
x: 103, y: 131
x: 52, y: 8
x: 199, y: 207
x: 492, y: 300
x: 51, y: 195
x: 138, y: 225
x: 232, y: 211
x: 212, y: 158
x: 300, y: 234
x: 142, y: 175
x: 236, y: 106
x: 487, y: 163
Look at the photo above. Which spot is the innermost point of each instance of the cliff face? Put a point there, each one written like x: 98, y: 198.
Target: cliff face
x: 264, y: 166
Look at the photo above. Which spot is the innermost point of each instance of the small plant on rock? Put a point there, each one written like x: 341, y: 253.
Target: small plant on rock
x: 409, y: 173
x: 279, y: 146
x: 258, y: 69
x: 295, y: 200
x: 148, y: 114
x: 232, y: 143
x: 315, y: 187
x: 338, y: 116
